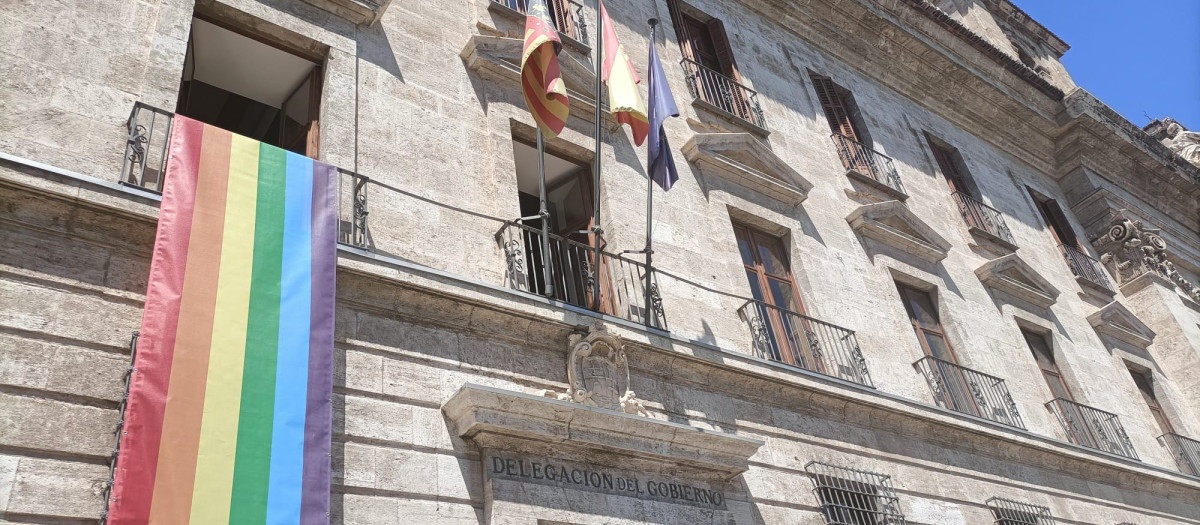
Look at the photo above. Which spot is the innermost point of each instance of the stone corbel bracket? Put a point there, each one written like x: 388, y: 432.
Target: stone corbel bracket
x: 744, y: 160
x: 503, y: 419
x: 893, y: 224
x: 1012, y: 275
x: 1116, y: 321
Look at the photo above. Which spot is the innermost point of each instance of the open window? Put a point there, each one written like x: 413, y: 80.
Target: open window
x: 841, y: 111
x: 953, y: 168
x: 243, y: 84
x: 569, y: 204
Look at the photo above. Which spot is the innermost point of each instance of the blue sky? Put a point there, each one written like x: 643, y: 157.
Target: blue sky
x: 1139, y: 57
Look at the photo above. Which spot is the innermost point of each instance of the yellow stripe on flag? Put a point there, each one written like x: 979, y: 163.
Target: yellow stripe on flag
x: 218, y: 433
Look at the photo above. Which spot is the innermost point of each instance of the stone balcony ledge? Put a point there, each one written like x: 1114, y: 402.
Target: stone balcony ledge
x: 504, y: 419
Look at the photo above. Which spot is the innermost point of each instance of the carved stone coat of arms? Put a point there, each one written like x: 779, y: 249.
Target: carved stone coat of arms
x: 598, y: 373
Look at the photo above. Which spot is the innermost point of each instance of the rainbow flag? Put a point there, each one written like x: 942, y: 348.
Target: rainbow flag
x: 229, y: 411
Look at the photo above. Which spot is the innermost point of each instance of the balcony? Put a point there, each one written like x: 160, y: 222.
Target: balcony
x: 968, y: 391
x: 1093, y: 428
x: 1086, y: 269
x: 564, y: 269
x: 984, y: 220
x: 788, y: 337
x: 567, y: 16
x: 877, y: 168
x: 723, y: 93
x: 1186, y: 452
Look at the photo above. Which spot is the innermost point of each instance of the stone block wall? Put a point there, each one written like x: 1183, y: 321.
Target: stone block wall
x: 402, y: 106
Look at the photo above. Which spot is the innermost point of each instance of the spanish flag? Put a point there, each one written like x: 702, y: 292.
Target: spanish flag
x: 545, y: 93
x: 624, y: 101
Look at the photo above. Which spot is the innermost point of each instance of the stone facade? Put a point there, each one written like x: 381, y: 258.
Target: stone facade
x: 442, y: 367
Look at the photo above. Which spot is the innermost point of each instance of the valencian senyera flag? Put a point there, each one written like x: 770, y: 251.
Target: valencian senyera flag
x: 545, y: 93
x: 624, y: 100
x: 662, y: 105
x: 229, y: 411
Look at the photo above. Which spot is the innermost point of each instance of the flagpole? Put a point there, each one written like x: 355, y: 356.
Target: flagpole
x: 649, y: 209
x: 596, y: 230
x: 545, y: 215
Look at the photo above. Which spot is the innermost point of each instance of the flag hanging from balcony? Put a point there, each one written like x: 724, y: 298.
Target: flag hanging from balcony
x: 662, y: 105
x: 229, y: 413
x: 624, y: 101
x: 545, y: 93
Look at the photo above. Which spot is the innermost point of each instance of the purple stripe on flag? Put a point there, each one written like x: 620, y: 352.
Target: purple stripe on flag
x: 319, y: 422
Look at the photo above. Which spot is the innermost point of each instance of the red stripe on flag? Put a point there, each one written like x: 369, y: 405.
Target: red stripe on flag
x: 134, y: 478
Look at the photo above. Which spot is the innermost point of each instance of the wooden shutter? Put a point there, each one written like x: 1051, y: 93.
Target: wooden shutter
x: 716, y: 31
x: 1060, y: 225
x: 945, y: 160
x: 681, y: 31
x: 835, y: 109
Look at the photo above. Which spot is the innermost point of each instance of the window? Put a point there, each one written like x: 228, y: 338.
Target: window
x: 563, y: 14
x: 923, y: 314
x: 854, y: 497
x: 950, y: 162
x: 949, y: 382
x: 569, y: 204
x: 840, y: 109
x: 250, y: 87
x: 1145, y: 385
x: 712, y: 73
x: 1045, y: 360
x: 1009, y: 512
x: 1054, y: 217
x: 768, y: 273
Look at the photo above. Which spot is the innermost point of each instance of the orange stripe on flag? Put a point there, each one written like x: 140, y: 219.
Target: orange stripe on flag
x: 185, y: 392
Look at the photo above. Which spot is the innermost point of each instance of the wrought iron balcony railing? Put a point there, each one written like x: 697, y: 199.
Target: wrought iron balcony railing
x: 1093, y: 428
x: 1186, y: 452
x: 146, y: 148
x: 567, y: 16
x: 1086, y: 268
x: 855, y: 156
x: 969, y: 391
x: 627, y: 289
x: 723, y: 92
x: 983, y: 217
x: 1010, y: 512
x: 788, y: 337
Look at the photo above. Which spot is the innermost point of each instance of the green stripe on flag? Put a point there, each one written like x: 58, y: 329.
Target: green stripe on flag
x: 252, y: 465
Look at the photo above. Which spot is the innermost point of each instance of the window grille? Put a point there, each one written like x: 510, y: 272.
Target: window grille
x: 1009, y: 512
x: 854, y: 497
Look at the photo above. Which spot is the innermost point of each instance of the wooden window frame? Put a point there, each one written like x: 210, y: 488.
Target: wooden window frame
x: 1147, y: 392
x: 920, y: 330
x: 1055, y: 371
x: 779, y: 327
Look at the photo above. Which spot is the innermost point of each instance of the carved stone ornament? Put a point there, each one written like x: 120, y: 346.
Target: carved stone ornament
x: 598, y: 373
x: 1130, y: 249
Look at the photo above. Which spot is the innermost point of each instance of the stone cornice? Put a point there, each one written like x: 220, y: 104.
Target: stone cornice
x: 1112, y: 128
x: 1012, y: 65
x: 498, y: 418
x: 1021, y: 20
x: 905, y: 50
